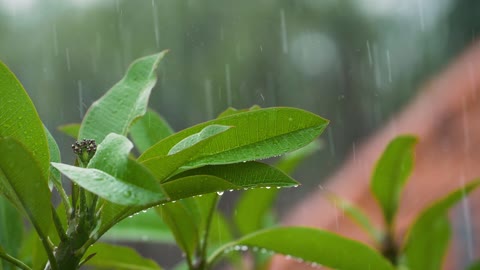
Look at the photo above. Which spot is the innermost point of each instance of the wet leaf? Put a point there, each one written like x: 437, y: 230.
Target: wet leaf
x: 427, y: 239
x: 55, y: 178
x: 148, y: 130
x: 11, y: 231
x: 311, y: 246
x: 256, y: 134
x: 391, y: 172
x: 111, y: 175
x: 19, y: 120
x: 124, y: 102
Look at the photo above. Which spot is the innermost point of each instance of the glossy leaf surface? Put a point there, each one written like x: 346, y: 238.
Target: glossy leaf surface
x: 391, y: 172
x: 124, y: 102
x: 256, y: 134
x: 19, y: 120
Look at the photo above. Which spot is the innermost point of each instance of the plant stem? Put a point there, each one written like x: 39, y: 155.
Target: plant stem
x: 203, y: 251
x: 14, y: 261
x: 389, y: 248
x: 58, y: 225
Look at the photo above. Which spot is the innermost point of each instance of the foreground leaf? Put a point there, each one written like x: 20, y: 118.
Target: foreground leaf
x: 148, y: 130
x: 428, y: 238
x: 257, y: 134
x: 116, y: 257
x: 111, y: 175
x: 19, y: 120
x: 312, y: 246
x: 124, y: 102
x: 25, y: 185
x: 391, y: 172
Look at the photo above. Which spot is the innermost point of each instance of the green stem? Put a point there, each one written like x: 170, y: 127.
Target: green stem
x: 203, y: 250
x: 58, y: 225
x: 14, y: 261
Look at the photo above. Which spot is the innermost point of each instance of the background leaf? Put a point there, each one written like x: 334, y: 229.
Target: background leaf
x: 144, y: 226
x: 20, y: 120
x: 55, y: 177
x: 391, y: 172
x: 258, y: 134
x: 124, y: 102
x: 312, y: 246
x: 148, y: 130
x: 118, y: 258
x: 427, y: 240
x: 71, y: 130
x: 11, y: 231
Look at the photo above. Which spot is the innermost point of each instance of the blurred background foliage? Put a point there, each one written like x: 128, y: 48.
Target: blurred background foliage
x: 355, y: 62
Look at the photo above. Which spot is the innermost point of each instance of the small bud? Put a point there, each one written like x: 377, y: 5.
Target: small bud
x: 84, y: 149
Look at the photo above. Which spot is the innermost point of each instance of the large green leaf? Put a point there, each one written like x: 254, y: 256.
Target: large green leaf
x: 144, y: 226
x: 111, y: 175
x: 11, y: 231
x: 124, y: 102
x: 25, y: 184
x: 311, y: 246
x: 20, y: 120
x: 119, y: 258
x: 184, y: 151
x: 427, y: 240
x: 148, y: 130
x: 391, y: 172
x: 257, y: 134
x: 71, y: 130
x: 474, y: 266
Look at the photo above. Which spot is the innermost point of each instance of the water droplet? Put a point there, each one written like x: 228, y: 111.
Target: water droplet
x: 126, y: 193
x: 220, y: 193
x: 267, y: 187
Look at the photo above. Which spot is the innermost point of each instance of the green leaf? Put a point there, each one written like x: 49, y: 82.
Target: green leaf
x: 25, y: 184
x: 116, y: 257
x: 194, y: 185
x: 257, y: 134
x: 11, y: 231
x: 252, y: 208
x: 245, y: 175
x: 124, y: 102
x: 391, y: 172
x: 55, y: 178
x: 111, y: 175
x: 427, y: 240
x: 71, y: 130
x: 231, y: 111
x: 148, y: 130
x: 20, y: 120
x: 358, y: 216
x: 312, y: 246
x: 196, y: 138
x: 136, y: 187
x: 181, y: 220
x: 290, y: 161
x: 144, y: 226
x: 164, y: 166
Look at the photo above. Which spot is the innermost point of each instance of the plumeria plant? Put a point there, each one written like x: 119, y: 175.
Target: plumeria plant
x: 172, y: 188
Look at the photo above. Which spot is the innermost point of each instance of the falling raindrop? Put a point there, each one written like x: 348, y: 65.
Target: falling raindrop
x: 55, y: 40
x: 209, y: 98
x: 228, y: 84
x: 67, y: 58
x: 80, y: 98
x: 389, y: 66
x: 283, y: 29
